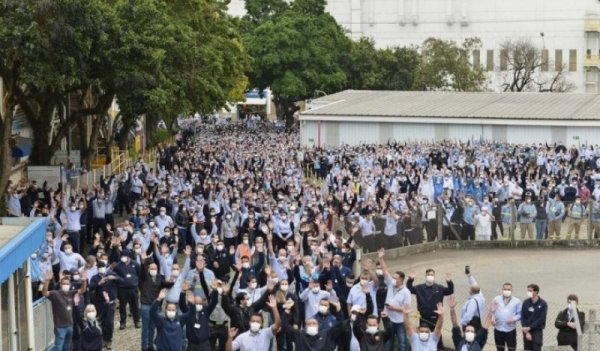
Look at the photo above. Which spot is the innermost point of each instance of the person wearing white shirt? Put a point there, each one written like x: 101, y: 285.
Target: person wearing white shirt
x: 505, y: 319
x: 356, y: 296
x: 422, y: 338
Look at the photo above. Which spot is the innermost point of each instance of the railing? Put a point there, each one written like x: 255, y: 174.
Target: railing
x: 43, y: 324
x: 592, y: 60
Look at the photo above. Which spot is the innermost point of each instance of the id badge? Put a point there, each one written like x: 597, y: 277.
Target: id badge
x: 197, y: 326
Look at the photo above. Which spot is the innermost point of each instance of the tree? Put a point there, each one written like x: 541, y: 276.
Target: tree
x: 297, y: 53
x: 362, y: 66
x: 399, y: 65
x: 447, y: 66
x: 526, y: 69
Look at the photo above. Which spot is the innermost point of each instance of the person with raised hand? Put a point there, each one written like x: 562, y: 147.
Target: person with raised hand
x: 422, y: 338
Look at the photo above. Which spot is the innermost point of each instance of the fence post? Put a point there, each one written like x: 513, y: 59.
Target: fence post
x: 440, y: 222
x: 590, y: 229
x: 513, y: 222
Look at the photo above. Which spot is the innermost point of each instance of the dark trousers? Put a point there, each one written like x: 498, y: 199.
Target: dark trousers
x: 505, y: 341
x: 217, y: 333
x: 110, y: 219
x: 537, y: 338
x: 468, y: 232
x: 74, y: 239
x: 204, y: 346
x: 128, y: 296
x: 497, y: 229
x: 99, y: 225
x: 106, y: 313
x: 285, y: 341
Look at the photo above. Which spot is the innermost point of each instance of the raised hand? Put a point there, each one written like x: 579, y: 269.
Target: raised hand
x: 440, y: 309
x: 451, y: 301
x: 381, y: 253
x: 188, y: 251
x: 232, y: 332
x: 162, y: 294
x: 272, y: 302
x: 76, y: 299
x: 448, y: 276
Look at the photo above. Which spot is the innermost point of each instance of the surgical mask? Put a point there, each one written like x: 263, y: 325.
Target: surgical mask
x: 138, y: 251
x: 220, y: 247
x: 290, y: 248
x: 167, y: 234
x: 175, y: 273
x: 424, y: 336
x: 284, y: 288
x: 316, y: 289
x: 246, y: 241
x: 102, y: 270
x: 199, y: 308
x: 254, y: 327
x: 430, y: 279
x: 252, y: 285
x: 124, y: 259
x: 153, y: 272
x: 353, y: 317
x: 163, y: 213
x: 65, y: 288
x: 349, y: 285
x: 246, y: 265
x: 282, y: 258
x: 73, y: 208
x: 171, y: 314
x: 323, y: 309
x: 68, y: 251
x: 470, y: 336
x: 91, y: 316
x: 506, y: 293
x: 145, y: 230
x: 394, y: 282
x: 33, y: 256
x: 76, y: 277
x: 530, y: 294
x: 372, y: 330
x: 378, y: 272
x: 364, y: 282
x: 312, y: 330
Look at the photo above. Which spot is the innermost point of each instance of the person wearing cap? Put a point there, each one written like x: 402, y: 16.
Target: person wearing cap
x: 128, y: 272
x: 527, y: 212
x: 556, y: 211
x: 577, y: 213
x: 567, y: 324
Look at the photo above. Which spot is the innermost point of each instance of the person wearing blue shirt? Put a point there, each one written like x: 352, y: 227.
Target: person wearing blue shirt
x: 507, y: 315
x: 324, y: 317
x: 556, y: 211
x: 527, y: 213
x: 473, y: 339
x: 533, y: 319
x: 470, y: 210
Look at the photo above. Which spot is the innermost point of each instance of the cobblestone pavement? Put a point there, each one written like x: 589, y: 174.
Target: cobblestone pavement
x: 128, y: 339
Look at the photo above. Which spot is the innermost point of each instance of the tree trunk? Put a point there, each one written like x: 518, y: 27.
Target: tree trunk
x: 41, y: 152
x: 84, y: 153
x: 93, y: 145
x: 5, y: 154
x: 286, y: 109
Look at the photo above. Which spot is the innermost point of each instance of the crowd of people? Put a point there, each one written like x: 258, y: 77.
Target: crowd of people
x: 227, y: 245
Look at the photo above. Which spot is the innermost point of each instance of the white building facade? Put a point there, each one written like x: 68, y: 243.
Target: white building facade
x: 571, y: 29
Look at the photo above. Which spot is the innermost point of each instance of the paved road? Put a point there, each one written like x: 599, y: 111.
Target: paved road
x: 558, y: 272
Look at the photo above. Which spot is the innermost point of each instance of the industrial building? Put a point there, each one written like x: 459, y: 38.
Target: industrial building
x: 355, y: 117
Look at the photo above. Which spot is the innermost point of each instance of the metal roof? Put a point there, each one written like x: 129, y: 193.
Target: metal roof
x: 541, y: 106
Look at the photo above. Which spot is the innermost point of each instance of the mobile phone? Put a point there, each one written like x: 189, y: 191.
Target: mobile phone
x: 467, y: 269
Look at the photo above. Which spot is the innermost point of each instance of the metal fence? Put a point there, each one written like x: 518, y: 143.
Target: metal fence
x: 43, y: 324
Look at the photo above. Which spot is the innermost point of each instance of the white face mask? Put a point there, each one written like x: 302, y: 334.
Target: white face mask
x: 124, y: 259
x: 153, y: 272
x: 220, y: 291
x: 246, y: 265
x: 323, y: 309
x: 91, y: 316
x: 353, y: 317
x: 171, y: 314
x: 76, y: 277
x: 73, y: 208
x: 254, y: 327
x: 102, y: 270
x: 68, y: 251
x: 529, y: 294
x: 394, y: 282
x: 175, y: 273
x: 246, y: 241
x: 138, y: 251
x: 378, y: 272
x: 364, y: 282
x: 284, y: 288
x: 372, y: 330
x: 506, y: 293
x: 430, y: 279
x: 469, y: 336
x: 312, y: 331
x: 65, y: 288
x: 316, y: 289
x: 424, y: 336
x: 220, y: 247
x: 199, y: 308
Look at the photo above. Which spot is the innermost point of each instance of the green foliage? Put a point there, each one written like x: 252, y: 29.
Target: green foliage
x: 447, y: 66
x: 159, y: 136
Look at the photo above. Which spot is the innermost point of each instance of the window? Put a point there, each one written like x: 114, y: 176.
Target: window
x: 476, y: 58
x: 489, y: 65
x: 503, y: 60
x: 544, y: 62
x: 588, y: 53
x: 558, y: 62
x: 572, y: 60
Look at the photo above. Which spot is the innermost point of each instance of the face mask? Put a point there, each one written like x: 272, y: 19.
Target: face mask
x: 424, y: 336
x: 104, y: 261
x: 246, y: 241
x: 76, y: 277
x: 153, y: 272
x: 378, y: 272
x: 290, y: 248
x: 138, y: 251
x: 469, y: 336
x: 91, y: 316
x: 33, y: 256
x: 372, y: 330
x: 312, y: 331
x: 175, y: 273
x: 252, y: 285
x: 353, y: 317
x: 163, y: 214
x: 530, y: 294
x: 430, y: 279
x: 73, y: 208
x: 349, y: 285
x: 152, y: 225
x: 167, y: 234
x: 323, y: 309
x: 284, y: 288
x: 65, y: 288
x: 254, y: 327
x: 199, y: 308
x: 124, y: 259
x: 220, y: 291
x: 220, y: 247
x: 364, y: 282
x: 144, y: 230
x: 102, y: 270
x: 68, y: 251
x: 282, y: 258
x: 506, y: 293
x: 246, y: 265
x: 171, y: 314
x: 316, y: 289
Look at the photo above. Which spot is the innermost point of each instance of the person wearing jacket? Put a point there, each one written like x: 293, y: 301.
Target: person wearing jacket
x: 566, y: 323
x: 533, y: 319
x: 240, y: 312
x: 90, y: 331
x: 366, y: 330
x: 104, y: 292
x: 169, y: 327
x: 256, y: 338
x: 196, y: 328
x: 472, y: 340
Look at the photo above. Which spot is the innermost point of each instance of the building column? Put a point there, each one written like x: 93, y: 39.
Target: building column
x: 355, y: 19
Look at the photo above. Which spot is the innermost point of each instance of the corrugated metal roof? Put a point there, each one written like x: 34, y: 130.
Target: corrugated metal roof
x: 355, y: 103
